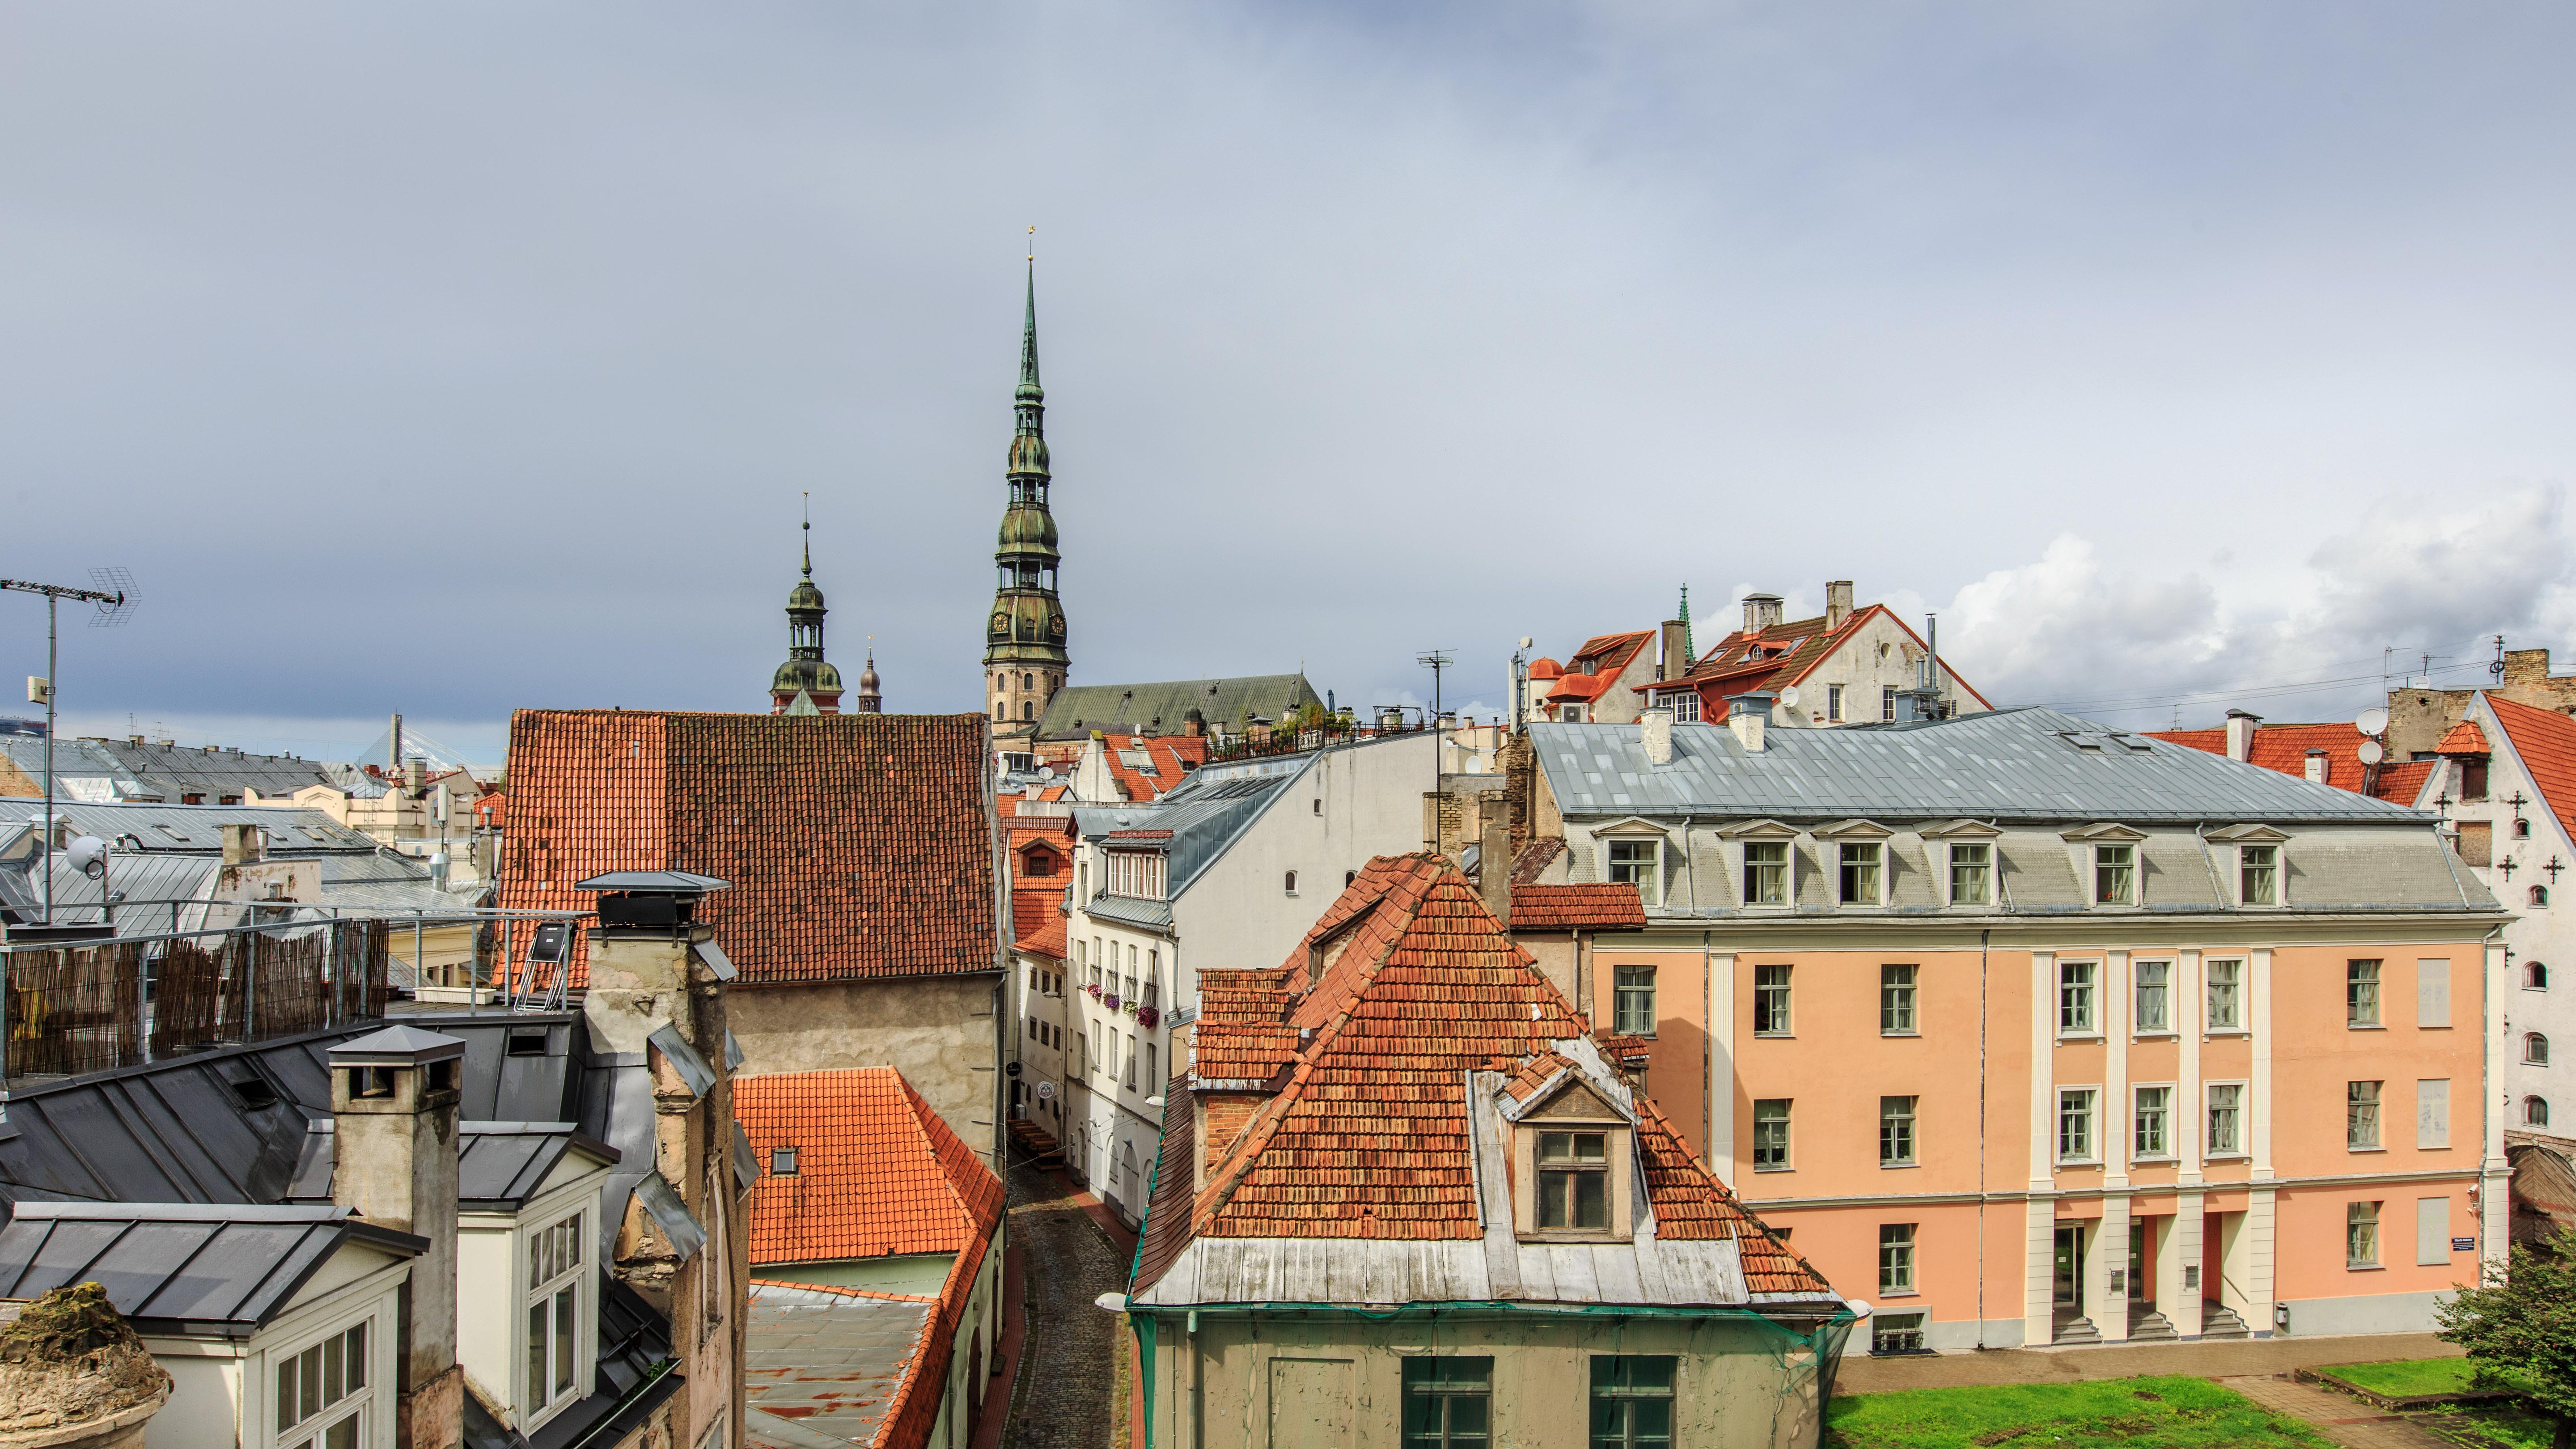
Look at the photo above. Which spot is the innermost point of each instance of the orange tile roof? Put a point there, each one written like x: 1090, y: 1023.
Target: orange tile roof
x: 1171, y: 756
x: 1010, y: 804
x: 1046, y: 939
x: 2283, y: 749
x: 877, y: 1171
x: 1033, y: 909
x: 1589, y: 907
x: 858, y: 845
x: 1579, y: 686
x: 1367, y: 1136
x: 2546, y: 742
x: 1786, y: 653
x: 2465, y: 738
x: 1610, y: 653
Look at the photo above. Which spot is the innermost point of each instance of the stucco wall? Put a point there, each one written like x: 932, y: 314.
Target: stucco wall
x: 936, y: 1030
x: 1281, y: 1380
x: 921, y: 1273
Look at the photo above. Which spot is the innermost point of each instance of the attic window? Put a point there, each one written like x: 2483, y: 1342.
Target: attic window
x: 168, y: 831
x: 527, y: 1044
x: 1575, y: 1166
x: 782, y: 1162
x: 253, y: 1092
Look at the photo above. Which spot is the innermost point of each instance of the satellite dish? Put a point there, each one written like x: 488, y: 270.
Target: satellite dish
x: 2372, y: 752
x: 2373, y: 720
x: 88, y: 855
x: 1789, y: 697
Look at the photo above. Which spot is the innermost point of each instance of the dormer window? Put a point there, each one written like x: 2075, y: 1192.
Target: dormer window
x: 1766, y: 872
x: 1972, y: 873
x: 1639, y: 863
x: 1574, y: 1181
x: 1573, y: 1167
x: 557, y: 1368
x: 2115, y: 875
x: 2258, y: 875
x: 1863, y: 872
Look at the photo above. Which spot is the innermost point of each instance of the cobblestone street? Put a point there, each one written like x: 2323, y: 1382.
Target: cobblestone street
x: 1068, y: 1382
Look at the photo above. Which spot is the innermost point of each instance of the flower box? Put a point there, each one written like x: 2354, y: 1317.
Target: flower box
x: 1147, y: 1016
x: 1110, y: 1001
x: 1094, y: 990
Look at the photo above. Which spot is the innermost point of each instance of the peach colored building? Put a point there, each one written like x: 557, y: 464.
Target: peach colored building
x: 2029, y: 1031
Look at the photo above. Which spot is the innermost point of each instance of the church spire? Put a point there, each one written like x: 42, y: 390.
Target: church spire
x: 1029, y: 388
x: 1024, y: 653
x: 806, y: 676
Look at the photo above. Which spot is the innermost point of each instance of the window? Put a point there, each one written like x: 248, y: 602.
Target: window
x: 1633, y: 1000
x: 1448, y: 1402
x: 2361, y: 1235
x: 1771, y: 1134
x: 2535, y: 1112
x: 2258, y: 875
x: 1639, y: 863
x: 1318, y: 804
x: 2226, y: 1119
x: 2075, y: 997
x: 1896, y: 1131
x: 2535, y: 1049
x: 2540, y: 895
x: 2075, y: 1125
x: 2226, y: 1012
x: 2433, y: 1230
x: 2154, y: 989
x: 1896, y: 1000
x: 2361, y: 993
x: 2433, y: 1112
x: 782, y: 1161
x: 1028, y: 710
x: 1632, y: 1401
x: 2154, y: 1135
x: 1136, y: 873
x: 1834, y: 703
x: 1040, y: 862
x: 2433, y: 991
x: 1766, y: 873
x: 1770, y: 1001
x: 1129, y: 1081
x: 2473, y: 779
x: 2361, y: 1116
x: 1896, y: 1258
x: 1896, y: 1332
x: 1887, y: 704
x: 2535, y: 976
x: 1574, y: 1181
x: 1972, y: 874
x: 1290, y: 883
x: 1860, y: 874
x: 320, y: 1379
x: 2115, y: 875
x: 1153, y: 1077
x: 554, y: 1314
x: 1685, y: 707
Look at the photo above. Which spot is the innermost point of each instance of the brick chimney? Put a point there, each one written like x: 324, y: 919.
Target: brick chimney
x: 394, y: 1097
x: 1838, y: 603
x: 2240, y: 734
x: 1761, y: 611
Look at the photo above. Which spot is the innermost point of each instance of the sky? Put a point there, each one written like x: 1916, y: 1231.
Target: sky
x: 458, y: 359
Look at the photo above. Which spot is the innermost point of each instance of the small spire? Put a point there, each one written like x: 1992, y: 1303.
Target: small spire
x: 1029, y: 329
x: 1687, y: 651
x: 809, y: 535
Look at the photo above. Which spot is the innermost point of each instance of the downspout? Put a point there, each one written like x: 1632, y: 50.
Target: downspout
x: 1985, y: 937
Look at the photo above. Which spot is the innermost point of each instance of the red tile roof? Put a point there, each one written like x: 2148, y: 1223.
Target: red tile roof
x: 1592, y: 907
x: 1579, y: 686
x: 858, y: 845
x: 1171, y: 757
x: 1545, y: 668
x: 2283, y: 749
x: 2465, y: 738
x: 1607, y: 654
x: 2545, y: 740
x: 1010, y: 804
x: 1367, y: 1136
x: 1785, y: 654
x: 878, y: 1172
x: 1046, y: 939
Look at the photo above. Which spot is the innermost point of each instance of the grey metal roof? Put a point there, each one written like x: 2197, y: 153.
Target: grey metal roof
x: 181, y: 1267
x: 1159, y: 708
x: 828, y: 1363
x: 1202, y: 822
x: 170, y: 766
x: 2017, y: 764
x: 499, y: 1165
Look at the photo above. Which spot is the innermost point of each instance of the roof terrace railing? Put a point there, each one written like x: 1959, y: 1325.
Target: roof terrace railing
x: 1299, y: 742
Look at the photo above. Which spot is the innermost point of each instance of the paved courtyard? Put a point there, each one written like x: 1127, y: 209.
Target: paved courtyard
x: 1068, y: 1370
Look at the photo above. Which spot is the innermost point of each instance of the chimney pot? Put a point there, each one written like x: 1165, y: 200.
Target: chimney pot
x: 1761, y: 611
x: 2240, y: 734
x: 2316, y: 767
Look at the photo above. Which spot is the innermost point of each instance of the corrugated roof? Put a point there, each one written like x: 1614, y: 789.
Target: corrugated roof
x: 2020, y: 764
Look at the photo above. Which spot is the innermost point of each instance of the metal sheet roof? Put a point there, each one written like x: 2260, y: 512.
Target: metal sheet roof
x: 1077, y: 709
x: 829, y: 1363
x: 181, y: 1267
x: 499, y: 1165
x: 2019, y: 764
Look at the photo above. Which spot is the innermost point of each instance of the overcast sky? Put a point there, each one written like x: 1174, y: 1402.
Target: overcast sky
x: 452, y: 359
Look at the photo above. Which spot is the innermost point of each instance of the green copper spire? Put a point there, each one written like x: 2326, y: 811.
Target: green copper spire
x: 1688, y: 653
x: 1029, y: 389
x: 1024, y: 655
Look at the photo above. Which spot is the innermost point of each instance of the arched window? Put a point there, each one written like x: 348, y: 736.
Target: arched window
x: 2521, y: 829
x: 2540, y: 895
x: 1028, y: 681
x: 2535, y: 1049
x: 2535, y: 975
x: 2535, y: 1112
x: 1292, y: 883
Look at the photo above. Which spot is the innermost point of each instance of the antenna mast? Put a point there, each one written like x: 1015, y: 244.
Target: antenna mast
x: 115, y: 600
x: 1434, y: 660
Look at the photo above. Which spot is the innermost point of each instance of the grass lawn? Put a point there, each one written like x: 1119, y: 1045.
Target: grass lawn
x: 2142, y: 1413
x: 2502, y: 1424
x: 2406, y: 1376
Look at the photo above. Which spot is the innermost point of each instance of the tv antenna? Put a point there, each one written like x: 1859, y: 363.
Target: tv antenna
x: 1434, y: 660
x: 115, y: 599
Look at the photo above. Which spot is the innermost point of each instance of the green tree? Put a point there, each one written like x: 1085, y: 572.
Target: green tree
x: 2519, y: 1328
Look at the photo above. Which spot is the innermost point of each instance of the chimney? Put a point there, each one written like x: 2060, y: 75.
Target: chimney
x: 394, y: 1097
x: 1746, y: 715
x: 2316, y: 768
x: 393, y: 752
x: 1761, y: 611
x: 1672, y: 657
x: 1494, y: 867
x: 415, y: 773
x: 1655, y: 733
x: 2240, y: 734
x: 244, y: 845
x: 1838, y: 603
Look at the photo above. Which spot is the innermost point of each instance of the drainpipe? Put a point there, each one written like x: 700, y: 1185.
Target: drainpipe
x: 1984, y: 938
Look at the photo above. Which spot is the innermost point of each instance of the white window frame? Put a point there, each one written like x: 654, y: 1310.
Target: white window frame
x: 2373, y: 1221
x: 573, y: 1278
x: 2137, y: 1119
x: 312, y: 1430
x: 1911, y: 989
x: 1787, y: 988
x: 2092, y: 1117
x: 2138, y: 998
x: 1624, y: 993
x: 1950, y: 876
x: 1788, y: 874
x: 2210, y: 1150
x: 1898, y: 1274
x: 2236, y: 982
x: 2091, y: 1029
x: 2280, y: 876
x: 2378, y: 1105
x: 1650, y: 886
x: 1685, y: 706
x: 1833, y: 704
x: 2093, y: 887
x: 1878, y: 870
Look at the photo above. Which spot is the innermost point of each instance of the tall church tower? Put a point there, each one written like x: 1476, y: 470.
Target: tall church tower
x: 806, y: 683
x: 1024, y: 654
